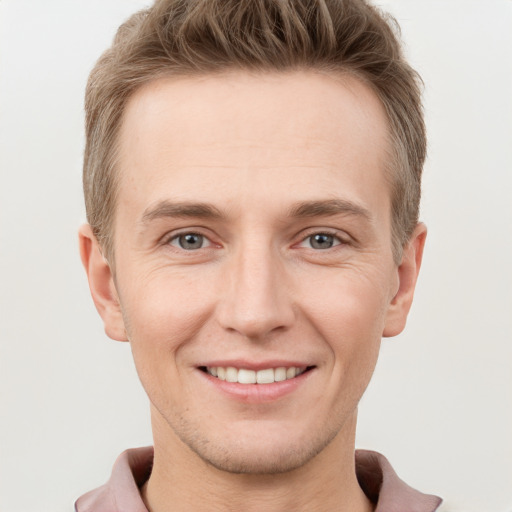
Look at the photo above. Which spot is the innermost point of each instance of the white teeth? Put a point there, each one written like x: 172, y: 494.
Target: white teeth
x: 280, y: 374
x: 246, y: 376
x: 291, y: 372
x: 231, y: 374
x: 265, y: 376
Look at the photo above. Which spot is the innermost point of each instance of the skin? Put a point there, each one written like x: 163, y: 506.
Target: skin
x: 272, y: 160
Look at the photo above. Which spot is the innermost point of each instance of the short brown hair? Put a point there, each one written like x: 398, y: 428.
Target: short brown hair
x: 195, y: 37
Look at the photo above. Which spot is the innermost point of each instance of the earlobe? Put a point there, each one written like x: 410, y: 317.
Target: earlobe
x: 407, y: 275
x: 101, y: 284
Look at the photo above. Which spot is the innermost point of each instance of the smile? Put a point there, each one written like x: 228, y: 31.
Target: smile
x: 264, y: 376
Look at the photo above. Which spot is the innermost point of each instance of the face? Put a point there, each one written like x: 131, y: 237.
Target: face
x: 254, y: 273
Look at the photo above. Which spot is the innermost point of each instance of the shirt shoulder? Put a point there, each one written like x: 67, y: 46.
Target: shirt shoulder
x: 375, y: 475
x: 386, y: 490
x: 122, y: 492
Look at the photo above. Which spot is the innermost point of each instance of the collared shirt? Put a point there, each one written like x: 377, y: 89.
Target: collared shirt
x: 375, y: 475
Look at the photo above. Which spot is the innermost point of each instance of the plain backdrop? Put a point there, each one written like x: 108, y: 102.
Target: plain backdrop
x: 440, y: 404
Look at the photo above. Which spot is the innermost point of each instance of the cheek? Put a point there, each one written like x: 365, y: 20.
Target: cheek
x: 351, y: 307
x: 349, y: 315
x: 162, y: 311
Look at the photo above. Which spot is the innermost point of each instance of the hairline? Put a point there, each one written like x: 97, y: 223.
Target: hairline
x: 392, y: 162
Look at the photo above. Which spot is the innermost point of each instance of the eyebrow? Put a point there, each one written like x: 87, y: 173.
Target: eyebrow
x: 165, y: 209
x: 329, y: 207
x: 303, y: 209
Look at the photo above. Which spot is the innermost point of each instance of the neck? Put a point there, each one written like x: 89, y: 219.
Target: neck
x: 183, y: 482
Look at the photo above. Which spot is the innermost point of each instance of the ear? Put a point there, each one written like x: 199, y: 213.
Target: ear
x: 101, y: 284
x: 408, y: 271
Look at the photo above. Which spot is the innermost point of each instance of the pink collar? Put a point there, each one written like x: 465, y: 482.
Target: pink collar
x: 374, y: 473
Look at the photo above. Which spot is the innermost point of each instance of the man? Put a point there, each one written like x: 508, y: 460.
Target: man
x: 252, y: 182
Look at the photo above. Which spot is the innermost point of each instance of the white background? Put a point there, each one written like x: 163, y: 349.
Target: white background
x: 440, y: 404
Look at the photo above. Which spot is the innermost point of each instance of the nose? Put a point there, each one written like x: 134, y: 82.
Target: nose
x: 256, y: 299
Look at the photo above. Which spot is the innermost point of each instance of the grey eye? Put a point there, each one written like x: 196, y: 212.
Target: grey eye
x: 189, y: 241
x: 322, y: 241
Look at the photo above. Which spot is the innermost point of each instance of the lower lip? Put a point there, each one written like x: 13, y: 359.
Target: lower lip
x: 257, y: 393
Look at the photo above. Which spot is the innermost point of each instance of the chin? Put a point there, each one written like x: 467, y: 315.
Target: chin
x: 257, y: 452
x: 255, y: 461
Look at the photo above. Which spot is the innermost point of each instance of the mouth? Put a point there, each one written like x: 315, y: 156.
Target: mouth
x: 249, y: 377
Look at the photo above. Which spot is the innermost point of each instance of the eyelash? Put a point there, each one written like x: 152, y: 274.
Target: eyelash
x: 338, y: 240
x: 176, y: 237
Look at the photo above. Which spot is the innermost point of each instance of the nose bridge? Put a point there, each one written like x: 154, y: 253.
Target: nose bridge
x: 256, y: 299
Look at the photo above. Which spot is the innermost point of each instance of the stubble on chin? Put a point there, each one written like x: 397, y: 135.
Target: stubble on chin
x: 250, y: 457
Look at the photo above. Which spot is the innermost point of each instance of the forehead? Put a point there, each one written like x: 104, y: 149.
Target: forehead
x: 243, y: 130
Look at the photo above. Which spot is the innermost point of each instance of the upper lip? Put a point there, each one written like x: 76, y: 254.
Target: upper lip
x: 254, y: 365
